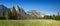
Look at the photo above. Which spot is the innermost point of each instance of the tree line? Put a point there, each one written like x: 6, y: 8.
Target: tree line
x: 54, y: 17
x: 9, y: 14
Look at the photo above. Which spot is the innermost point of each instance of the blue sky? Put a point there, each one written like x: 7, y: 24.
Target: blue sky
x: 44, y: 6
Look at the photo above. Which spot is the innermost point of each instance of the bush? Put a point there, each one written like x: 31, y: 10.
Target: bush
x: 57, y: 18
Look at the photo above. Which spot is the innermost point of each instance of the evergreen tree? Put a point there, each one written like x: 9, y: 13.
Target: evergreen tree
x: 14, y: 13
x: 58, y: 14
x: 8, y: 14
x: 57, y: 17
x: 2, y: 15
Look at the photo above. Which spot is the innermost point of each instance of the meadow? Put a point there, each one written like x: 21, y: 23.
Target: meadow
x: 38, y: 22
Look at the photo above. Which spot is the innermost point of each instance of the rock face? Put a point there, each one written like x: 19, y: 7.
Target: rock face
x: 21, y: 14
x: 19, y: 10
x: 2, y: 9
x: 35, y: 13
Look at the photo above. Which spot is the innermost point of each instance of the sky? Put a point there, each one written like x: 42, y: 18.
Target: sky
x: 44, y: 6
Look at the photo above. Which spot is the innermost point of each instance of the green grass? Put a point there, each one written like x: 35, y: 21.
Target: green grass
x: 29, y: 23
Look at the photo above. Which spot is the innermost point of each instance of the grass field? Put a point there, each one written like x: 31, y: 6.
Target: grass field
x: 29, y: 23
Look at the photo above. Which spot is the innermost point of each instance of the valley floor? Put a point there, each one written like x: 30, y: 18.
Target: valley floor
x: 42, y: 22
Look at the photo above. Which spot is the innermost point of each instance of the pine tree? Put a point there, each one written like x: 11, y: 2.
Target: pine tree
x: 58, y: 14
x: 14, y: 13
x: 8, y: 14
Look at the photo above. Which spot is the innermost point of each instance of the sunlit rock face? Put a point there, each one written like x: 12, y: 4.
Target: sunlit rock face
x: 19, y: 10
x: 35, y: 13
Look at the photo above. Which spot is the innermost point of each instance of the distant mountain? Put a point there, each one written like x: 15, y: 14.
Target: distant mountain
x: 35, y: 13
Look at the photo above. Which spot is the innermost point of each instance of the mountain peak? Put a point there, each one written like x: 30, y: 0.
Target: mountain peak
x: 35, y: 13
x: 18, y: 9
